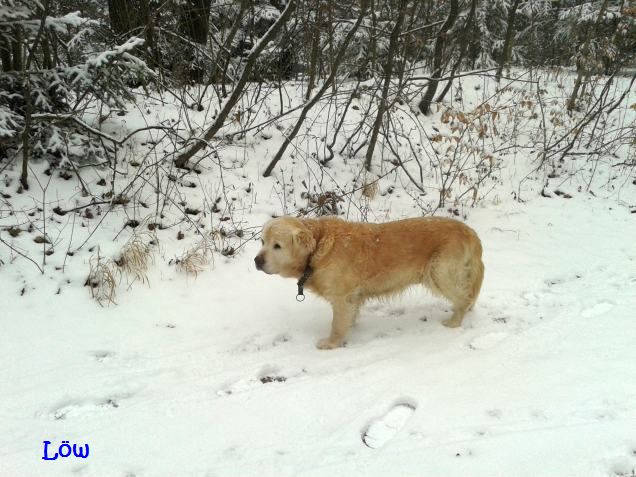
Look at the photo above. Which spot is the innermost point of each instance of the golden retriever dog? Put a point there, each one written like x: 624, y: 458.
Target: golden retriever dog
x: 348, y: 263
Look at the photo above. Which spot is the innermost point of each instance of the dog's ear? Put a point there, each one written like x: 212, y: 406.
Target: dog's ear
x: 304, y: 238
x: 324, y: 247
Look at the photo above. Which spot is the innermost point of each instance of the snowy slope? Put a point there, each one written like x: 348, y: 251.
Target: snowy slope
x: 218, y: 374
x: 539, y: 382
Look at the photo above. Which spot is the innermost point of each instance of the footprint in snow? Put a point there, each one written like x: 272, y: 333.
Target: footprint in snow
x: 258, y: 342
x: 83, y: 409
x: 487, y: 341
x: 102, y: 356
x: 250, y: 384
x: 550, y: 282
x: 622, y: 467
x: 383, y: 429
x: 268, y: 374
x: 597, y: 309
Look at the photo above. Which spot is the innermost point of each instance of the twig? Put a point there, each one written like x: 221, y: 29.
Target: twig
x: 22, y: 255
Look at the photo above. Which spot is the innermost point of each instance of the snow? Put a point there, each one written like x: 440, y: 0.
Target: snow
x: 218, y: 374
x: 383, y: 429
x: 170, y: 382
x: 106, y: 56
x: 61, y: 24
x: 8, y: 122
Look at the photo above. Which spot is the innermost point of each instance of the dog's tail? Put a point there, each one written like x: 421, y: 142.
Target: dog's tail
x: 457, y: 272
x: 476, y: 267
x: 478, y: 278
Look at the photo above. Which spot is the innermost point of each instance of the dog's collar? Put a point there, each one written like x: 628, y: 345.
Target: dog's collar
x: 302, y: 280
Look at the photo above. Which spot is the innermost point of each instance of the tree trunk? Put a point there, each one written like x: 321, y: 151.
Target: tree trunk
x: 5, y: 54
x: 47, y: 60
x: 194, y: 20
x: 201, y: 142
x: 154, y: 57
x: 581, y: 70
x: 16, y: 46
x: 373, y: 41
x: 440, y: 42
x: 315, y: 52
x: 577, y: 86
x: 510, y: 33
x: 339, y: 57
x: 128, y: 18
x: 462, y: 49
x: 123, y: 16
x: 225, y: 55
x: 388, y: 71
x: 26, y: 133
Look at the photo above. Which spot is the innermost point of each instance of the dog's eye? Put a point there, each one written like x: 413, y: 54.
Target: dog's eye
x: 276, y: 246
x: 262, y: 242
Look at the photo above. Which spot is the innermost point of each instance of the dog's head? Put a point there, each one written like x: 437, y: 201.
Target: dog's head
x: 287, y: 244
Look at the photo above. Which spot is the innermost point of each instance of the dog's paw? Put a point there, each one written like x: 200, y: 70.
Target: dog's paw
x: 326, y: 343
x: 451, y: 323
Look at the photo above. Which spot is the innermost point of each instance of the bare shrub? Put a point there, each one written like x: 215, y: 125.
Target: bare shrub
x: 103, y: 278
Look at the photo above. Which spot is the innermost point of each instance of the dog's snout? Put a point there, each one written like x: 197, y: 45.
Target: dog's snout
x: 259, y: 261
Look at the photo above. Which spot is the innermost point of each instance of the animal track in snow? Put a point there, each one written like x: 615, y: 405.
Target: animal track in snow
x: 102, y: 356
x: 258, y: 342
x: 550, y: 282
x: 397, y: 312
x: 397, y: 331
x: 280, y: 339
x: 495, y: 413
x: 268, y: 374
x: 81, y: 409
x: 487, y: 341
x: 247, y: 384
x: 622, y: 467
x: 271, y: 374
x: 383, y: 429
x: 597, y: 309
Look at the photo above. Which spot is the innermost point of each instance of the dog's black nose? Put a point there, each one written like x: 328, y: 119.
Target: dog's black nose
x: 259, y: 261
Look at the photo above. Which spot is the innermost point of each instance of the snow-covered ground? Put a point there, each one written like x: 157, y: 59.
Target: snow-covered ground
x: 218, y: 375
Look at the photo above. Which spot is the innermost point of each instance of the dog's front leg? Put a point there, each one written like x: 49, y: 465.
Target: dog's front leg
x: 345, y: 311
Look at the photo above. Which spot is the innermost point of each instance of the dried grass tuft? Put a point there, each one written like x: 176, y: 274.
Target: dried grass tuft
x: 197, y: 258
x: 103, y: 278
x: 105, y: 274
x: 370, y: 190
x: 323, y: 203
x: 137, y: 255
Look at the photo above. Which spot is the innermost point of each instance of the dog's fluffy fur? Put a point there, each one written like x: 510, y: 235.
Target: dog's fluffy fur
x: 353, y: 262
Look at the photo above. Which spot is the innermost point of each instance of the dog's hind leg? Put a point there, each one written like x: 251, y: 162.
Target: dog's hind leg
x: 455, y: 321
x: 345, y: 311
x: 476, y: 283
x: 459, y: 283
